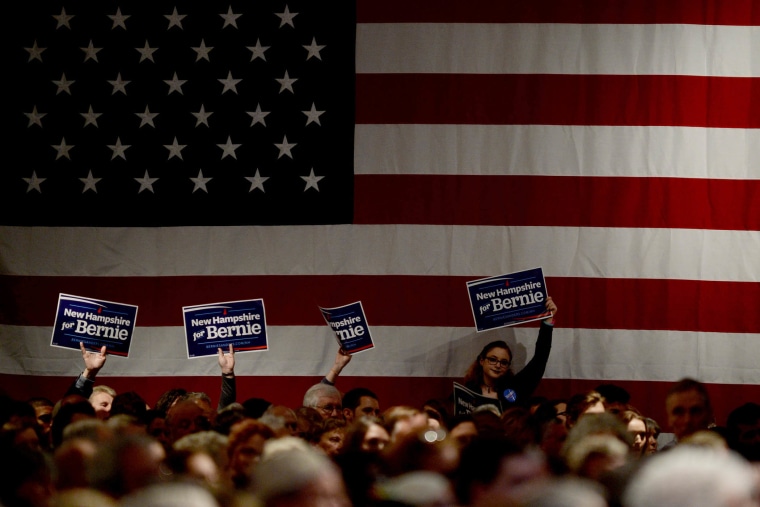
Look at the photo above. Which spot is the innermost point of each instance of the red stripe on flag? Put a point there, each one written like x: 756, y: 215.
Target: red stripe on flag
x: 527, y: 99
x: 535, y: 200
x: 737, y: 12
x: 594, y: 303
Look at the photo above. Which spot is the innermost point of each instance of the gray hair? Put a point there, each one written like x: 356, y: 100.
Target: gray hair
x: 288, y: 470
x: 171, y: 494
x: 693, y: 476
x: 311, y: 397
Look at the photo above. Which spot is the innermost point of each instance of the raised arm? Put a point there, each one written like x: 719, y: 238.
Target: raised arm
x: 342, y: 358
x: 93, y: 362
x: 229, y: 385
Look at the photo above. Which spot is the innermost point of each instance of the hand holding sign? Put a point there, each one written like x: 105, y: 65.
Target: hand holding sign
x: 227, y: 361
x: 93, y: 361
x: 342, y: 358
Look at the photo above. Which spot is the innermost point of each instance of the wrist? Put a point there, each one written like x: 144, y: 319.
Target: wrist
x: 90, y: 374
x: 229, y: 374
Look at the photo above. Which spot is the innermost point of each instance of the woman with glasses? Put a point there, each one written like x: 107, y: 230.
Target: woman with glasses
x: 491, y: 373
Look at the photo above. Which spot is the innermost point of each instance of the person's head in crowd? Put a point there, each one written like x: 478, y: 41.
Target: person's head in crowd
x: 552, y: 438
x: 534, y: 402
x: 43, y: 412
x: 93, y: 429
x: 130, y: 403
x: 402, y: 421
x: 566, y: 491
x: 518, y: 424
x: 705, y: 438
x: 21, y: 434
x: 560, y: 406
x: 83, y: 497
x: 227, y: 416
x: 418, y: 488
x: 282, y: 419
x: 27, y: 477
x: 359, y: 402
x: 201, y: 456
x: 590, y: 402
x: 497, y: 471
x: 309, y: 420
x: 437, y: 410
x: 255, y: 407
x: 602, y: 423
x: 296, y: 476
x: 69, y: 409
x: 596, y: 455
x: 637, y: 427
x: 616, y: 397
x: 186, y: 416
x: 326, y: 399
x: 72, y: 461
x: 693, y: 476
x: 330, y: 436
x: 743, y: 430
x: 170, y: 494
x: 169, y: 398
x: 101, y: 400
x: 688, y: 408
x: 366, y: 434
x: 244, y: 449
x: 463, y: 429
x: 126, y: 463
x: 155, y: 426
x: 491, y: 368
x: 653, y: 433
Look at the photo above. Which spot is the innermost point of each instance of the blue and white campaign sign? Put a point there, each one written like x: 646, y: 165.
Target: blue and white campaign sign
x: 217, y: 325
x: 350, y: 327
x: 509, y: 299
x: 95, y: 323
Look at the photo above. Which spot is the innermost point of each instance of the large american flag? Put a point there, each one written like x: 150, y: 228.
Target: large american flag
x: 320, y: 153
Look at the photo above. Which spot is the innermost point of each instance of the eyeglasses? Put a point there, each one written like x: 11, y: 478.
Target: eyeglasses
x: 493, y: 361
x: 329, y: 409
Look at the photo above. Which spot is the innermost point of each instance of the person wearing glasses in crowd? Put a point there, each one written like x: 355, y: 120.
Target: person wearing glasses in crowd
x: 326, y: 399
x: 491, y: 374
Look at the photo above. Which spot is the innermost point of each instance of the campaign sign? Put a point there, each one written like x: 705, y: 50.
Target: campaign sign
x: 94, y: 323
x: 507, y: 300
x: 350, y: 327
x: 467, y: 400
x: 217, y: 325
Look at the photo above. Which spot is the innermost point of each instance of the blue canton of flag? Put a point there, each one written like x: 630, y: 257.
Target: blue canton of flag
x: 186, y: 113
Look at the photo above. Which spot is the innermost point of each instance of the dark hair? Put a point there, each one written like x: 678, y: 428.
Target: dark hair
x: 65, y: 414
x: 479, y: 463
x: 474, y: 375
x: 579, y: 403
x: 167, y: 399
x: 130, y: 403
x: 614, y: 393
x: 353, y: 397
x: 356, y: 431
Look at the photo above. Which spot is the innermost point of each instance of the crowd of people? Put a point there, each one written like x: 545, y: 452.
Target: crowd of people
x: 95, y: 447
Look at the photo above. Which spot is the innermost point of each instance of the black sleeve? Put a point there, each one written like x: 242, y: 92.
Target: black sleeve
x: 527, y: 380
x: 229, y: 392
x: 81, y: 386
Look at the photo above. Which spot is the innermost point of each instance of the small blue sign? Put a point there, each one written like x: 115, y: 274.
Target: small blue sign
x: 350, y: 327
x: 217, y: 325
x: 95, y: 323
x: 508, y: 300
